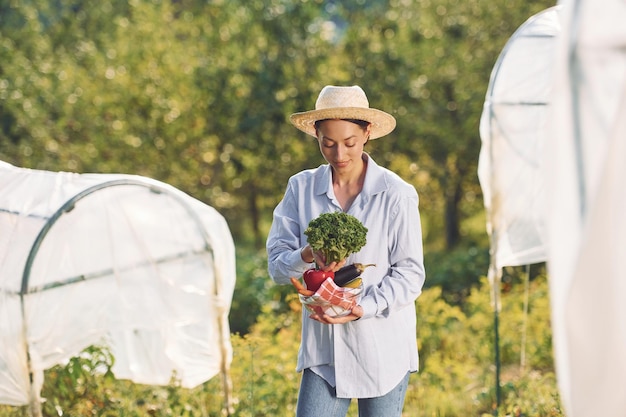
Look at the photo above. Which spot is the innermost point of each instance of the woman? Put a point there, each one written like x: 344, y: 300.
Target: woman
x: 369, y: 353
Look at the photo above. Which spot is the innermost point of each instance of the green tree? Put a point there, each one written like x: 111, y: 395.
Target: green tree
x: 264, y: 50
x: 197, y: 94
x: 430, y: 61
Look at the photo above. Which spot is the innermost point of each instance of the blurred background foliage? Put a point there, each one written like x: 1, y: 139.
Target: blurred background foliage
x: 197, y: 94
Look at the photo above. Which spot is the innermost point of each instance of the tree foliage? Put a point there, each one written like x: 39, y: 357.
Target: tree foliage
x: 197, y: 94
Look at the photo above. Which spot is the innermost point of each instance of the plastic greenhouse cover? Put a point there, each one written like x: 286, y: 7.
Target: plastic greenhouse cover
x: 574, y: 150
x: 116, y: 260
x: 512, y: 129
x: 586, y: 201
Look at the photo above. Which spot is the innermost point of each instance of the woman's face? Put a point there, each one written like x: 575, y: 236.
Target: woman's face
x: 341, y: 143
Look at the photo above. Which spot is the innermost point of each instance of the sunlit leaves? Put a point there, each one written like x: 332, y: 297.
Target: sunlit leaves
x: 197, y: 94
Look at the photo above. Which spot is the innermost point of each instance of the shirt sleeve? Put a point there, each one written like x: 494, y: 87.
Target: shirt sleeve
x: 405, y: 279
x: 283, y: 242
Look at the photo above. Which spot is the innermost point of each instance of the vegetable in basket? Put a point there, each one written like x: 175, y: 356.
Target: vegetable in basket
x: 336, y: 235
x: 344, y: 277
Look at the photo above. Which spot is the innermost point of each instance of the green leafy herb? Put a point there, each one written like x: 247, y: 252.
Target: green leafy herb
x: 336, y: 234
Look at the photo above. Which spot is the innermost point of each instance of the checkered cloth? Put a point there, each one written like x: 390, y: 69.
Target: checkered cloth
x: 331, y: 299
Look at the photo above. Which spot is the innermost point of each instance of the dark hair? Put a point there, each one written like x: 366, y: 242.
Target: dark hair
x: 362, y: 123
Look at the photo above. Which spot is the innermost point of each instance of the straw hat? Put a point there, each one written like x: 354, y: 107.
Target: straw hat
x: 344, y: 103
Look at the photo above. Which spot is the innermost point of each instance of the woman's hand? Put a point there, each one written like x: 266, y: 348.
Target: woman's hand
x: 355, y: 314
x: 308, y: 255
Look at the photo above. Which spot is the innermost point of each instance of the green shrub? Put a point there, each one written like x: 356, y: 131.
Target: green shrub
x: 457, y: 375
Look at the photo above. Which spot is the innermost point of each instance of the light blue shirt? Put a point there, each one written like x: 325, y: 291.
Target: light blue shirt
x: 368, y: 357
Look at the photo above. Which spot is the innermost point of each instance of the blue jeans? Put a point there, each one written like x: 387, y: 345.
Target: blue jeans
x: 318, y: 399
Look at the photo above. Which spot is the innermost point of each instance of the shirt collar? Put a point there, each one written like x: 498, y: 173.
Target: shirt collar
x: 374, y: 183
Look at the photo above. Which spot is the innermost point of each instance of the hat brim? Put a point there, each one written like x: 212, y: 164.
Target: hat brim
x: 382, y: 123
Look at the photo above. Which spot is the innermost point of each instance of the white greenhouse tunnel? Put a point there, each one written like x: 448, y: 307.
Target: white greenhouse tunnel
x: 116, y: 260
x: 553, y: 171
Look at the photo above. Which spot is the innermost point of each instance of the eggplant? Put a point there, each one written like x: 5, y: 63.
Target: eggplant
x: 349, y: 272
